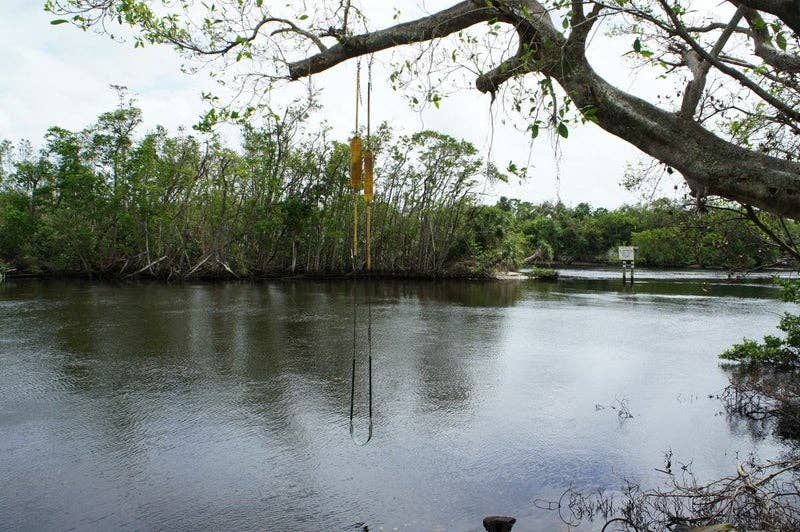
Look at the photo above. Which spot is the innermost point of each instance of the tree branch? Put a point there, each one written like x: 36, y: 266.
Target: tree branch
x: 700, y: 68
x: 722, y: 67
x: 582, y: 25
x: 771, y: 234
x: 763, y: 49
x: 459, y: 17
x: 788, y: 11
x: 710, y: 165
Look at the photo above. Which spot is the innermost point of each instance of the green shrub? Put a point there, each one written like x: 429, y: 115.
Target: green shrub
x: 543, y: 274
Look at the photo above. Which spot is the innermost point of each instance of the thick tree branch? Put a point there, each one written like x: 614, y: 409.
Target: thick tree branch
x: 513, y: 67
x: 459, y: 17
x: 787, y: 11
x: 581, y: 24
x: 763, y: 49
x: 710, y: 165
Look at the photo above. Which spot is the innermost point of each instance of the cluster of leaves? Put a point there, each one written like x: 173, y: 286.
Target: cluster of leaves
x: 774, y: 350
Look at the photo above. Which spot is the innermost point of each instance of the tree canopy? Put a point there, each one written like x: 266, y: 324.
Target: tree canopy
x: 731, y: 128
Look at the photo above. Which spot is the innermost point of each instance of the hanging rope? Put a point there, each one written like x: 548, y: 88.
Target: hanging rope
x: 356, y: 166
x: 361, y: 163
x: 369, y: 168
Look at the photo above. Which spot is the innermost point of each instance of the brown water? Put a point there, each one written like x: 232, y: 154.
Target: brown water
x: 147, y: 406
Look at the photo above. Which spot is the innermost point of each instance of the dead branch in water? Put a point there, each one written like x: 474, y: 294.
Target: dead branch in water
x: 759, y: 496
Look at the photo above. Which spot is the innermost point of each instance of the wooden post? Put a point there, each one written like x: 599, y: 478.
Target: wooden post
x: 498, y: 523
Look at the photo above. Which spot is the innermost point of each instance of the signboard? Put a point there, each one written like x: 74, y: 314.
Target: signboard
x: 627, y: 253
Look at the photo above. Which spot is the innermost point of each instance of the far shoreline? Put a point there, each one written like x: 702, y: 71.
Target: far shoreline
x: 522, y: 274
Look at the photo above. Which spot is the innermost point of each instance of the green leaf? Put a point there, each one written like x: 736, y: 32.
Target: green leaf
x: 58, y: 21
x: 780, y: 40
x: 302, y: 17
x: 534, y: 130
x: 637, y: 45
x: 590, y: 114
x: 563, y: 130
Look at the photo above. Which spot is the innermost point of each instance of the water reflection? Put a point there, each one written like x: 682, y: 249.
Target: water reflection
x: 764, y: 400
x: 225, y: 406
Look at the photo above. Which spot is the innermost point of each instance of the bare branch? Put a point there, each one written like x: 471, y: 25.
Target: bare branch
x: 722, y: 67
x: 700, y: 68
x: 292, y: 27
x: 753, y: 216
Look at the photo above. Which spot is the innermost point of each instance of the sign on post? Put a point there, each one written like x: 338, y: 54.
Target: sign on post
x: 627, y: 254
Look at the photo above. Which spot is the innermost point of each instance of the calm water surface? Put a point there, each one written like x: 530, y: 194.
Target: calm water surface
x: 145, y: 406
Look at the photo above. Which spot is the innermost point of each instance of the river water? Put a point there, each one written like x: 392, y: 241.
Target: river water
x: 225, y: 406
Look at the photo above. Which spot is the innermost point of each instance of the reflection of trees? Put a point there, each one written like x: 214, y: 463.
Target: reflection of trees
x: 669, y: 288
x: 766, y: 398
x: 466, y: 293
x: 429, y: 334
x: 278, y: 351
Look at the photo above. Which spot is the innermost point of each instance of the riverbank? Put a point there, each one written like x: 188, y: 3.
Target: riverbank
x: 549, y: 273
x: 266, y: 276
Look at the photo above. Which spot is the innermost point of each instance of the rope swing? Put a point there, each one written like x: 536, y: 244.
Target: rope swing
x: 362, y: 165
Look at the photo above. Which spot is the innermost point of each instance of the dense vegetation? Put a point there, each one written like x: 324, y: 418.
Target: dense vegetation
x: 107, y: 201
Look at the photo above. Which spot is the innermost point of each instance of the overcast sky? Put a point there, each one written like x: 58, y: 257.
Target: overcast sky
x: 58, y: 75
